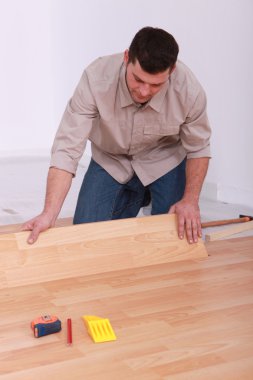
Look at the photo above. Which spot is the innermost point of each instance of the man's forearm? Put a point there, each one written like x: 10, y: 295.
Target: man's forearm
x: 196, y: 169
x: 58, y: 185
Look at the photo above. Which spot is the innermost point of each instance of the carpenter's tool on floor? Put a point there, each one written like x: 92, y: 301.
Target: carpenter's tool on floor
x: 214, y: 223
x: 69, y: 331
x: 100, y: 329
x: 45, y: 325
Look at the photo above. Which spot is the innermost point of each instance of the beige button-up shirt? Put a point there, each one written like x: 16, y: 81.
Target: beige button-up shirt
x: 125, y: 138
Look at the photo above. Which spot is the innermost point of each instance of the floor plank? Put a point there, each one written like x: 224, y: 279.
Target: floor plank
x: 91, y: 248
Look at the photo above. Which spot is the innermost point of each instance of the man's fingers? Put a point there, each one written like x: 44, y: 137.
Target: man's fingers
x: 34, y: 235
x: 30, y: 239
x: 37, y: 225
x: 199, y: 229
x: 181, y: 222
x: 195, y: 231
x: 188, y: 220
x: 26, y: 226
x: 188, y: 230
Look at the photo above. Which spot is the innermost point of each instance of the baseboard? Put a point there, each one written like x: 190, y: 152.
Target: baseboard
x: 235, y: 195
x: 209, y: 191
x: 36, y: 155
x: 40, y: 152
x: 228, y: 194
x: 14, y: 154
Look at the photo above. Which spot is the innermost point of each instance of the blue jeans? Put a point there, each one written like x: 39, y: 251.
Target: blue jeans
x: 101, y: 197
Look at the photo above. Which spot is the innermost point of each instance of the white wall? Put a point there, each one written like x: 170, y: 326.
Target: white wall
x: 26, y: 90
x: 45, y: 46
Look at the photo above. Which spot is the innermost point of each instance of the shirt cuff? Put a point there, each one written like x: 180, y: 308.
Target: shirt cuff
x: 63, y: 162
x: 205, y: 152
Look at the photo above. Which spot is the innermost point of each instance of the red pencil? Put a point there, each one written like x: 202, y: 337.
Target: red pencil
x: 69, y: 331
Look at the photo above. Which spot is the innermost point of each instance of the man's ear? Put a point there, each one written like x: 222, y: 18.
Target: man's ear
x: 172, y: 69
x: 126, y: 56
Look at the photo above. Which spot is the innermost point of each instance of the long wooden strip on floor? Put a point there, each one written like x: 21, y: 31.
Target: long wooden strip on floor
x: 229, y: 231
x: 93, y: 248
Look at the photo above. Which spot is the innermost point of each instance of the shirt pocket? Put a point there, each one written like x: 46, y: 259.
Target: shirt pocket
x: 161, y: 130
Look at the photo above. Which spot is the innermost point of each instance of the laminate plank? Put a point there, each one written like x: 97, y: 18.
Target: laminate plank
x: 92, y: 248
x: 236, y: 229
x: 148, y: 229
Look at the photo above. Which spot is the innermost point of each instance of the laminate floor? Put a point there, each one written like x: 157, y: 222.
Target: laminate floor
x: 187, y: 320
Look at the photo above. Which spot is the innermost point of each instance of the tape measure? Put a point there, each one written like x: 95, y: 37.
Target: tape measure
x: 45, y: 325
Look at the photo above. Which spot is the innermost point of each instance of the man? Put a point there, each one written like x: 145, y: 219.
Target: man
x: 145, y: 115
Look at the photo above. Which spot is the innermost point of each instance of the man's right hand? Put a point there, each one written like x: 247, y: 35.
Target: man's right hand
x: 58, y: 184
x: 37, y: 225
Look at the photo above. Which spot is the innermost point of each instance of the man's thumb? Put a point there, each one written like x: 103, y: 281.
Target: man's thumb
x: 172, y: 209
x: 33, y: 236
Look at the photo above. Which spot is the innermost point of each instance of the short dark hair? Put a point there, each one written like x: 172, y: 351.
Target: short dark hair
x: 154, y: 48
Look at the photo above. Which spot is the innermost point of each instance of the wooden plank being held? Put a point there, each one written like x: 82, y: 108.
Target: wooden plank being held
x: 96, y: 248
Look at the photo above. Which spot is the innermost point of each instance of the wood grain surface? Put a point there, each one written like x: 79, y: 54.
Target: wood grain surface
x: 180, y: 320
x: 235, y: 229
x: 13, y: 228
x: 91, y: 248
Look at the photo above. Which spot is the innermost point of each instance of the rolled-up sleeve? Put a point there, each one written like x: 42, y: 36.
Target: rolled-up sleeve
x: 195, y: 133
x: 79, y: 118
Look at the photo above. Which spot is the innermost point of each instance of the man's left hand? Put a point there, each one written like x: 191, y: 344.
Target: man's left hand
x: 188, y: 217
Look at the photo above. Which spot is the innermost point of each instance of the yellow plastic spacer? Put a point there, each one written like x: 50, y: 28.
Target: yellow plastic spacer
x: 99, y: 329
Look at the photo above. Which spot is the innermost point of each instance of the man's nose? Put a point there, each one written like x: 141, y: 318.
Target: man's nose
x: 144, y: 89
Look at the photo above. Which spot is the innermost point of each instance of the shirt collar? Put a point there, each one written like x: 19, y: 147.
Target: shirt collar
x: 158, y: 99
x: 126, y: 99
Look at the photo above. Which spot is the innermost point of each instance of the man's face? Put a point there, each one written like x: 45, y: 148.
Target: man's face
x: 142, y: 85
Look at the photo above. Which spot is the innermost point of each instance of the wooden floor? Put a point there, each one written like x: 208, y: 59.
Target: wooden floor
x: 181, y: 320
